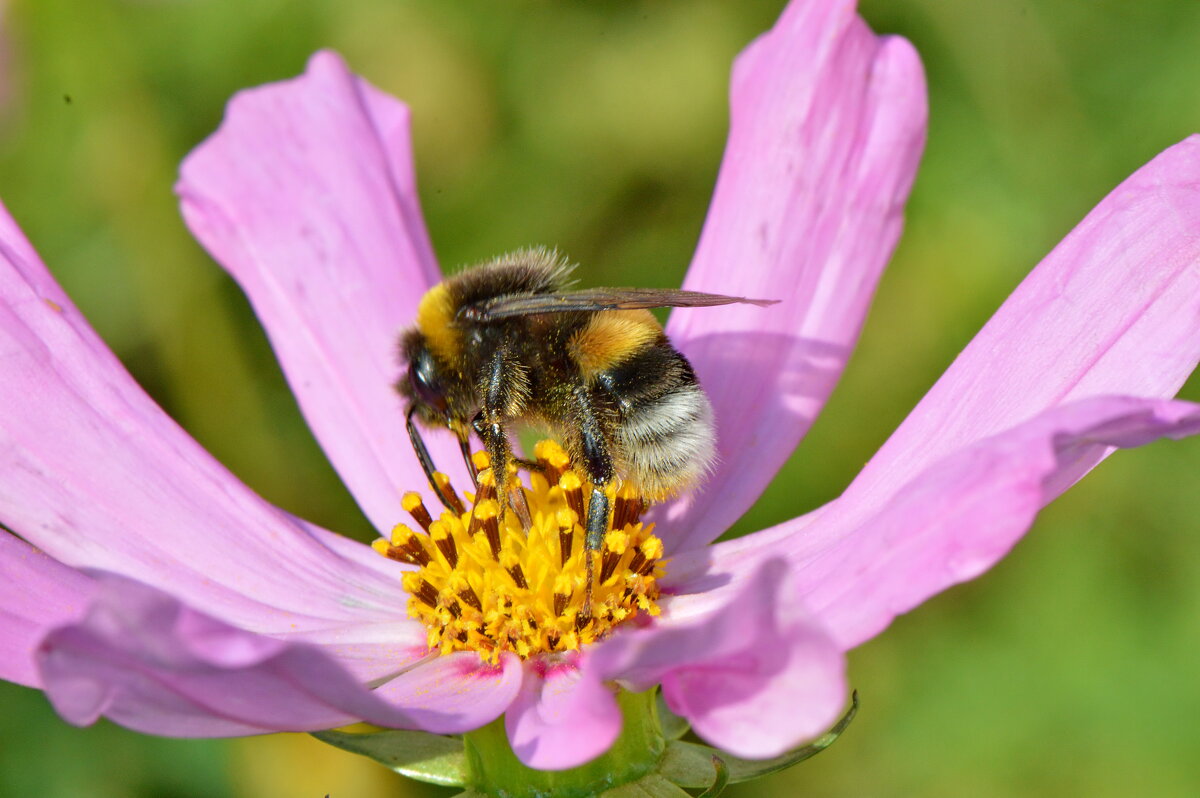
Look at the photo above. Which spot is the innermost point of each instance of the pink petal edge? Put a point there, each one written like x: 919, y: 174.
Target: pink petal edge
x: 828, y: 125
x: 1114, y: 309
x: 36, y: 595
x: 147, y: 662
x: 563, y: 717
x: 964, y: 513
x: 743, y: 662
x: 306, y: 195
x: 947, y: 525
x: 97, y: 476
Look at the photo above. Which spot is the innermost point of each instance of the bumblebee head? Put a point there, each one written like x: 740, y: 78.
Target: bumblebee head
x: 423, y: 385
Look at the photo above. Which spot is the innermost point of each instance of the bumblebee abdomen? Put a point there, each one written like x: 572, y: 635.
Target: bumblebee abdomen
x: 661, y: 424
x: 667, y: 444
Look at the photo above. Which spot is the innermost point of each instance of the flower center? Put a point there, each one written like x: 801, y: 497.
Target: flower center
x: 486, y: 584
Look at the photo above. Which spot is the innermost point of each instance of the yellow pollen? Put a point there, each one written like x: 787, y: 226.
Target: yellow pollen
x: 484, y: 584
x: 552, y: 456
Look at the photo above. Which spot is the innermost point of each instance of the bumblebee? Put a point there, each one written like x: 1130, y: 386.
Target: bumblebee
x: 509, y: 342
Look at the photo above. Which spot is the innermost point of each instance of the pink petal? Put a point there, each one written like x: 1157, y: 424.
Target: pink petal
x: 563, y: 717
x: 950, y: 523
x: 961, y: 515
x: 36, y: 594
x: 147, y: 662
x: 828, y: 124
x: 455, y: 693
x: 96, y: 475
x: 371, y: 652
x: 742, y: 662
x: 1114, y: 309
x: 306, y: 195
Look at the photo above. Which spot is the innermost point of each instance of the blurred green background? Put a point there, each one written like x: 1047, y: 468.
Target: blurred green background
x: 598, y: 127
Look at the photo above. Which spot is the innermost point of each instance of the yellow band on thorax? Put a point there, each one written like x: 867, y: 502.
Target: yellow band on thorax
x: 435, y: 317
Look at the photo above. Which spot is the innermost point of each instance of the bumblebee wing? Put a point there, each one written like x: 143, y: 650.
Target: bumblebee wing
x: 503, y: 307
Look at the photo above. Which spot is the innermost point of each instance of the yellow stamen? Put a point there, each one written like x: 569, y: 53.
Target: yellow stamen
x: 413, y: 505
x: 443, y: 482
x: 484, y: 584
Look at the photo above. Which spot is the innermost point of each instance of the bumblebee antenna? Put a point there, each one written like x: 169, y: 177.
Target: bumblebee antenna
x: 418, y: 444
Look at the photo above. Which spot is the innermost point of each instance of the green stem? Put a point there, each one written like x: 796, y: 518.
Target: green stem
x: 493, y: 768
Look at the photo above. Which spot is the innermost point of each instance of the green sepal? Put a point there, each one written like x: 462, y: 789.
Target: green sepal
x: 418, y: 755
x: 720, y: 782
x: 691, y: 764
x: 673, y: 727
x: 648, y: 786
x: 493, y: 768
x: 486, y: 761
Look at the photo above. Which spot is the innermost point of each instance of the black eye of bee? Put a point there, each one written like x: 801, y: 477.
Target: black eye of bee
x: 422, y: 375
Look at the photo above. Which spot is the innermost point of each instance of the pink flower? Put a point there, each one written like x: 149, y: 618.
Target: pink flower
x: 158, y: 591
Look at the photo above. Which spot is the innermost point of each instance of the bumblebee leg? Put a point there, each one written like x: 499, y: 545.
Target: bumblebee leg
x: 529, y: 465
x: 418, y: 444
x: 464, y: 445
x: 504, y: 389
x: 609, y: 385
x: 495, y: 441
x: 597, y: 520
x: 597, y: 462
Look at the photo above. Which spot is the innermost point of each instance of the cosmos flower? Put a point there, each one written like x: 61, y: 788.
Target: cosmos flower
x: 148, y: 585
